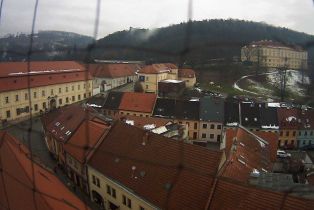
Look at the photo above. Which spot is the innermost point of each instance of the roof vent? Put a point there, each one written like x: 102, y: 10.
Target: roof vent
x: 68, y: 133
x: 168, y: 186
x: 255, y: 173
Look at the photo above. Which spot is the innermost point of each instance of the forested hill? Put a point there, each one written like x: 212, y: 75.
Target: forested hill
x: 205, y: 40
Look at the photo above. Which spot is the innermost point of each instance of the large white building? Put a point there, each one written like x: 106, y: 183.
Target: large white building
x: 270, y: 54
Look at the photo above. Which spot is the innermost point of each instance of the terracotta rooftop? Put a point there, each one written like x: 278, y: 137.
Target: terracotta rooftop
x: 15, y: 75
x: 138, y: 102
x: 272, y: 139
x: 232, y: 195
x: 140, y: 122
x: 186, y: 73
x: 113, y: 70
x: 85, y: 139
x: 17, y: 180
x: 247, y: 152
x: 168, y: 174
x: 289, y: 118
x: 155, y: 69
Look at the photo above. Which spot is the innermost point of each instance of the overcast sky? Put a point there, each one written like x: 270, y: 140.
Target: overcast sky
x: 78, y: 15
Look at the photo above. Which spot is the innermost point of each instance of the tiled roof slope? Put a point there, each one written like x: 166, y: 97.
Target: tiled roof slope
x: 15, y: 76
x: 230, y: 195
x: 289, y: 118
x: 169, y: 174
x: 155, y: 69
x: 113, y: 70
x: 231, y: 111
x: 247, y: 153
x: 272, y: 139
x: 17, y: 178
x: 138, y: 102
x: 250, y: 114
x: 269, y: 117
x: 212, y: 109
x: 140, y: 122
x: 186, y: 73
x: 84, y: 140
x: 187, y: 110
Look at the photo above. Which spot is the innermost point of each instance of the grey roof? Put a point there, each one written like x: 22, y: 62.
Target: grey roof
x: 212, y: 109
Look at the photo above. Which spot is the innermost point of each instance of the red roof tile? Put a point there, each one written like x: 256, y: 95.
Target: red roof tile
x: 15, y: 75
x: 289, y: 118
x: 230, y: 195
x: 85, y: 139
x: 138, y: 102
x: 113, y: 70
x: 169, y: 174
x: 17, y: 178
x: 186, y: 73
x: 248, y: 153
x: 272, y: 139
x: 155, y: 69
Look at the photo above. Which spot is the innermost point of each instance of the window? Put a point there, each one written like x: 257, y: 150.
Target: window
x: 146, y: 86
x: 66, y: 89
x: 79, y: 97
x: 305, y: 133
x: 141, y: 208
x: 84, y: 95
x: 51, y: 92
x: 90, y: 94
x: 60, y: 101
x: 195, y: 125
x: 78, y: 87
x: 218, y: 138
x: 73, y: 98
x: 36, y: 107
x: 194, y: 135
x: 18, y: 111
x: 203, y: 135
x: 16, y: 97
x: 35, y: 95
x: 96, y: 181
x: 43, y: 93
x: 211, y: 136
x: 67, y: 99
x: 212, y: 126
x: 60, y: 90
x: 126, y: 201
x: 6, y: 99
x: 294, y: 133
x: 204, y: 125
x: 72, y: 87
x: 44, y: 105
x: 219, y: 127
x: 8, y: 114
x: 26, y: 96
x: 281, y: 133
x: 287, y: 133
x: 311, y: 134
x: 84, y: 86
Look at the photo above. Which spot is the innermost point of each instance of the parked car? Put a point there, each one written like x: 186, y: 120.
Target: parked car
x: 283, y: 154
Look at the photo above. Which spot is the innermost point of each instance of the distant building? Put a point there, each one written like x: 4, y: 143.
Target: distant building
x: 28, y: 185
x: 271, y: 54
x: 150, y: 75
x: 171, y: 88
x: 109, y: 76
x: 306, y: 131
x: 136, y: 169
x: 111, y: 106
x: 48, y: 84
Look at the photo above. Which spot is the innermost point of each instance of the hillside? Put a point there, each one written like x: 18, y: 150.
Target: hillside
x: 208, y: 39
x: 47, y: 45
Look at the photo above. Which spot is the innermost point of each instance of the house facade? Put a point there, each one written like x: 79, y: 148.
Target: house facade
x: 44, y: 86
x: 271, y: 54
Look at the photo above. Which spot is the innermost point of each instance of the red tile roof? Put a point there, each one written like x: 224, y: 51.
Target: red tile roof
x: 170, y: 65
x: 272, y: 139
x: 141, y: 121
x: 15, y: 75
x: 186, y: 73
x: 230, y: 195
x: 155, y: 69
x: 85, y: 139
x: 169, y: 174
x: 17, y: 178
x: 138, y: 102
x: 113, y: 70
x: 289, y: 118
x: 248, y: 153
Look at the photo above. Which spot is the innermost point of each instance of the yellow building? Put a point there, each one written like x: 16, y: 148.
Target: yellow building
x: 44, y: 86
x: 150, y: 75
x: 272, y: 54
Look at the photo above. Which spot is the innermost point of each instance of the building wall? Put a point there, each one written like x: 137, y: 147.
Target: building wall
x: 189, y: 82
x: 287, y: 137
x: 274, y: 57
x: 305, y: 137
x: 149, y: 82
x: 193, y: 128
x: 210, y: 131
x: 101, y: 189
x: 139, y: 114
x: 111, y: 83
x: 12, y: 101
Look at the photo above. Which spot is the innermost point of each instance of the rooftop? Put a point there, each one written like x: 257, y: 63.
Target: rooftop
x: 19, y: 174
x: 113, y: 70
x: 168, y: 174
x: 138, y: 102
x: 155, y: 69
x: 186, y: 73
x: 212, y: 109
